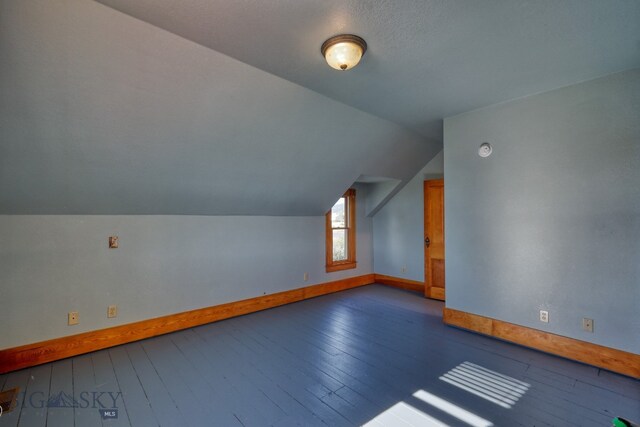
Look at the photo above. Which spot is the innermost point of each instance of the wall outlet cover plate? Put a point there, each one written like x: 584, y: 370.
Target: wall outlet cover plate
x: 544, y: 316
x: 73, y: 318
x: 112, y: 311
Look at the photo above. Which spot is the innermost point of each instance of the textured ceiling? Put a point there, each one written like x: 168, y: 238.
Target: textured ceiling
x: 427, y: 59
x: 226, y: 107
x: 101, y: 113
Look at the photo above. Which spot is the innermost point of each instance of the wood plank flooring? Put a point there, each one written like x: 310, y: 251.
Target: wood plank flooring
x: 373, y: 356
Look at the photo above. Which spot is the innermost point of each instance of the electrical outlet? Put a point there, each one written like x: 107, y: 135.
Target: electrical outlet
x: 306, y: 276
x: 544, y: 316
x: 73, y: 318
x: 587, y: 324
x: 112, y: 311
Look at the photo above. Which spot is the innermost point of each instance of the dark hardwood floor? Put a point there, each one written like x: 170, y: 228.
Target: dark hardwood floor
x: 373, y: 355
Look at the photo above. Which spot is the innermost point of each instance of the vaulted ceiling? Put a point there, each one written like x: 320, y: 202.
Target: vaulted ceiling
x: 426, y: 59
x: 219, y: 107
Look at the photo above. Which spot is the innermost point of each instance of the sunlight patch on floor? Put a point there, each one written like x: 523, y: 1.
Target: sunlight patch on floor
x: 404, y: 415
x: 451, y: 409
x: 493, y: 386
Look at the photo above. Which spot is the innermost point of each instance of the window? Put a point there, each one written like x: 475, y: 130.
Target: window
x: 341, y: 233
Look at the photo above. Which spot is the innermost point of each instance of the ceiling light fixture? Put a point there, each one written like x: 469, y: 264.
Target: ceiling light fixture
x: 343, y: 52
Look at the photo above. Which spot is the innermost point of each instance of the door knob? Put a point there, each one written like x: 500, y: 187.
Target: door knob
x: 427, y: 242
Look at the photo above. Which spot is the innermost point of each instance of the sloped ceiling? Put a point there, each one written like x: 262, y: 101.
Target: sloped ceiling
x: 218, y: 107
x: 104, y: 114
x: 427, y: 59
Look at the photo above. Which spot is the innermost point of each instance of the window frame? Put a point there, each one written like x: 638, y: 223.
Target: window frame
x: 350, y: 218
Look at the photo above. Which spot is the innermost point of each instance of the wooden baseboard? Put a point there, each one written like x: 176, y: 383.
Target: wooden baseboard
x: 15, y: 358
x: 436, y: 293
x: 398, y: 282
x: 593, y: 354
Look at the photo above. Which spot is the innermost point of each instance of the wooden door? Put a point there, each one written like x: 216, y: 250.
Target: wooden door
x: 434, y: 239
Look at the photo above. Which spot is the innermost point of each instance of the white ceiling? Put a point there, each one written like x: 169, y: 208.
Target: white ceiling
x: 427, y: 59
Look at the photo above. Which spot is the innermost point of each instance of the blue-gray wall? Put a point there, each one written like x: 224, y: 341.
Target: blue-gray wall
x: 53, y: 264
x: 101, y: 113
x: 398, y: 228
x: 552, y: 219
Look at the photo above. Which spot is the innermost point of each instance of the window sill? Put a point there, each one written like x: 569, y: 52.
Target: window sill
x: 341, y: 266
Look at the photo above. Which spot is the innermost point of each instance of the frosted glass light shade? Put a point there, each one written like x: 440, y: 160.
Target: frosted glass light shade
x: 343, y: 52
